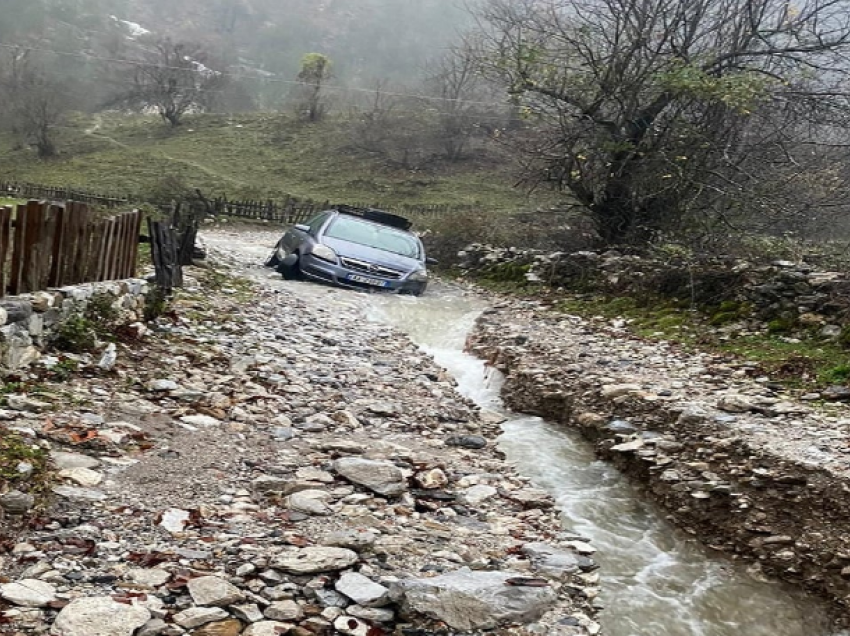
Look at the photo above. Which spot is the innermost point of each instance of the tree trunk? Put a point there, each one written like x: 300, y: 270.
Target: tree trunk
x: 45, y: 145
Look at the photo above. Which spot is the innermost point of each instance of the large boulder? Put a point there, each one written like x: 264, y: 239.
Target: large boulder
x: 382, y: 477
x: 468, y: 600
x: 99, y: 615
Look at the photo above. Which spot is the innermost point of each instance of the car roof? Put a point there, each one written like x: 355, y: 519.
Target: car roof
x: 374, y: 215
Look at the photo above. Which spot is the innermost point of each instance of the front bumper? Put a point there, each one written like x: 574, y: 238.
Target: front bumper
x: 316, y: 269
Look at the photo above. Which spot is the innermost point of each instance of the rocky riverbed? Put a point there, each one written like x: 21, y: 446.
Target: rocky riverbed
x: 737, y: 461
x: 265, y: 461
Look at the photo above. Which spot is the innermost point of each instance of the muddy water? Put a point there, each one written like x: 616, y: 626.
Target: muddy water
x: 656, y: 581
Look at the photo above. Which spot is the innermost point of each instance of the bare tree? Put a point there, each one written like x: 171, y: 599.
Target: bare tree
x: 464, y: 98
x: 399, y: 129
x: 172, y: 78
x: 652, y: 114
x: 35, y: 100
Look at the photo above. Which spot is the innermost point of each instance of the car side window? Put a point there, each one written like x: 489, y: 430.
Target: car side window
x: 317, y: 222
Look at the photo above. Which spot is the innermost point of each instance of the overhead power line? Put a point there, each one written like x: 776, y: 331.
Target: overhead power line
x: 247, y: 76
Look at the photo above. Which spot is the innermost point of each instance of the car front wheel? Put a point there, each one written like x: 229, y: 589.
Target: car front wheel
x: 289, y: 268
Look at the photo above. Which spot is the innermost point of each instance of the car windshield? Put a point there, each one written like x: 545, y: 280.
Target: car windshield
x: 380, y: 237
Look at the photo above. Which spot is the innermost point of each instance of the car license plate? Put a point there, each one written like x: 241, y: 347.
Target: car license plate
x: 357, y: 278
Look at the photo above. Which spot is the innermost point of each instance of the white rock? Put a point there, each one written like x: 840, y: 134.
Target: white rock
x: 351, y: 626
x: 267, y: 628
x: 99, y: 616
x: 311, y: 502
x: 612, y: 391
x: 174, y: 520
x: 63, y: 460
x: 362, y: 590
x: 248, y: 613
x: 284, y: 611
x: 381, y: 477
x: 200, y: 421
x: 434, y: 478
x: 469, y: 601
x: 478, y: 494
x: 149, y: 577
x: 314, y: 560
x: 109, y: 357
x: 28, y: 593
x: 86, y: 494
x: 212, y: 590
x: 162, y: 385
x: 197, y: 616
x: 83, y: 476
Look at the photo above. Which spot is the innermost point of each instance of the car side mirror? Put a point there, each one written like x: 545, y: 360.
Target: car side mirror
x: 302, y: 227
x: 431, y: 261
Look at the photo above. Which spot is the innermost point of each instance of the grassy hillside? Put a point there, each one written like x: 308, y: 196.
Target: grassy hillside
x: 251, y: 156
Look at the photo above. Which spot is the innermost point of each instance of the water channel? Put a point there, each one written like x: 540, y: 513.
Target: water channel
x: 656, y: 580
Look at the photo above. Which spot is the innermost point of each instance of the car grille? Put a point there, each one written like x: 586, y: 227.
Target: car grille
x: 368, y: 268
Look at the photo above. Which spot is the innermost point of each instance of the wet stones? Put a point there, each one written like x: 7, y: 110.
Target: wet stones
x: 469, y: 600
x: 467, y: 441
x: 381, y: 477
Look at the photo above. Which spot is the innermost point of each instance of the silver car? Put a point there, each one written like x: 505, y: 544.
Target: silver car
x: 361, y: 249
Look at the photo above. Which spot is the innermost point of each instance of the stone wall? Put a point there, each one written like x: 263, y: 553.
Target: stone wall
x: 28, y: 322
x: 791, y: 294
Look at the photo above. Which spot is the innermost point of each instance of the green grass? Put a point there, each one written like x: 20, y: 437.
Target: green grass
x: 809, y: 364
x: 248, y: 156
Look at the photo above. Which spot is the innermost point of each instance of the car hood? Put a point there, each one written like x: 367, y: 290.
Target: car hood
x: 372, y: 255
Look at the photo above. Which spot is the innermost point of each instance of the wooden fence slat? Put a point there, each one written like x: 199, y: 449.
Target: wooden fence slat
x: 18, y: 250
x: 137, y: 228
x: 5, y: 247
x: 46, y: 253
x: 57, y: 262
x: 79, y: 260
x: 35, y: 217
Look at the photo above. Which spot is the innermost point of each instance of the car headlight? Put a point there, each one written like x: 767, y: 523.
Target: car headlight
x: 419, y: 276
x: 325, y: 253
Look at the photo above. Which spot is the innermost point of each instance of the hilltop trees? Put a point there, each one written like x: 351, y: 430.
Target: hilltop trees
x: 34, y: 99
x: 315, y: 73
x: 172, y: 78
x: 656, y: 115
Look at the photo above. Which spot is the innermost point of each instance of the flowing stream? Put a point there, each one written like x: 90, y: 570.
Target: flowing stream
x: 656, y: 581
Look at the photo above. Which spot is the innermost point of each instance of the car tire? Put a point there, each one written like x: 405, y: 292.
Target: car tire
x: 273, y: 261
x: 289, y: 268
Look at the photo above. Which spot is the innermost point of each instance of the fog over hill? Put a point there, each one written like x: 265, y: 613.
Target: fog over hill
x: 367, y: 40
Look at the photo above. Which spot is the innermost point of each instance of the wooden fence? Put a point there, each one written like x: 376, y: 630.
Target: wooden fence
x: 59, y: 193
x: 293, y: 210
x: 50, y: 245
x: 286, y: 211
